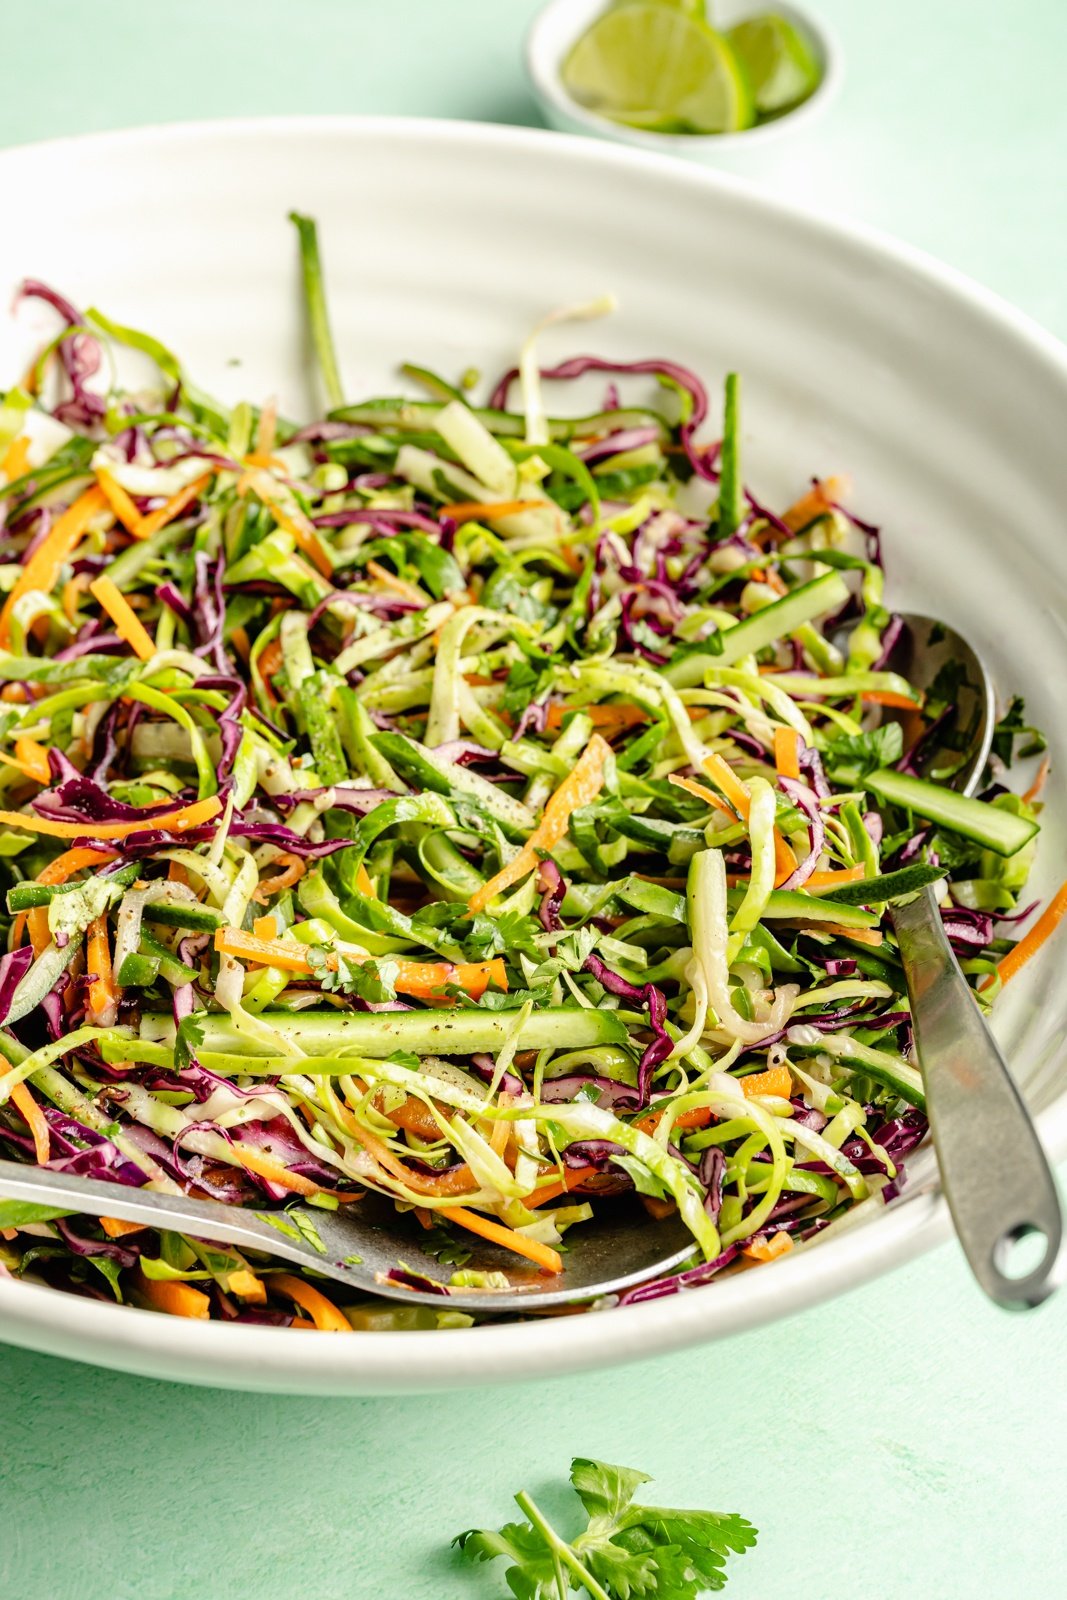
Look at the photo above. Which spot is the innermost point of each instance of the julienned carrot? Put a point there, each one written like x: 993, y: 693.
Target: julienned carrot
x: 609, y: 719
x: 34, y: 759
x: 779, y: 1244
x: 775, y: 1081
x: 35, y: 1120
x: 702, y: 792
x: 294, y: 871
x: 572, y: 1177
x: 400, y: 586
x: 29, y: 769
x: 474, y: 510
x: 156, y: 520
x: 815, y: 503
x: 16, y: 458
x: 1029, y: 797
x: 872, y: 936
x: 543, y: 1255
x: 127, y: 623
x: 104, y: 994
x: 115, y: 1228
x: 787, y: 752
x: 698, y: 1117
x: 323, y: 1313
x: 246, y: 1286
x: 179, y: 1299
x: 1031, y: 942
x: 43, y: 568
x: 886, y: 697
x: 363, y: 882
x: 422, y: 978
x: 178, y: 821
x: 265, y: 1166
x: 456, y: 1180
x: 289, y: 516
x: 830, y: 880
x: 120, y: 502
x: 57, y: 871
x: 720, y: 772
x: 415, y: 1116
x: 578, y: 789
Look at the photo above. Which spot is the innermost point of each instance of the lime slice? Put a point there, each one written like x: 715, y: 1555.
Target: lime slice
x: 658, y: 65
x: 778, y: 60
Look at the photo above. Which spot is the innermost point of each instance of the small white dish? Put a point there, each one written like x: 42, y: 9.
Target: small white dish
x: 560, y: 24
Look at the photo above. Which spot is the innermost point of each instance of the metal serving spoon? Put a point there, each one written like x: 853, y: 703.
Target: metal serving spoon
x: 993, y: 1170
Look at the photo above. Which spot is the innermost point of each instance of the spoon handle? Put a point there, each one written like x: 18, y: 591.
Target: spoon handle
x: 996, y: 1177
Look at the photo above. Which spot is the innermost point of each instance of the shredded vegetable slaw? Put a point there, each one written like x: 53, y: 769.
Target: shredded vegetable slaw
x: 493, y: 806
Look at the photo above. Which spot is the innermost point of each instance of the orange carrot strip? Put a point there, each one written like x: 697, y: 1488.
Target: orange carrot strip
x: 720, y: 772
x: 399, y: 585
x: 422, y: 978
x: 179, y: 1299
x: 264, y: 927
x: 283, y: 880
x: 776, y: 1081
x: 702, y: 792
x: 73, y: 589
x: 468, y: 510
x: 288, y: 516
x: 35, y: 1120
x: 172, y: 508
x: 580, y: 786
x: 116, y: 1229
x: 128, y: 625
x: 571, y: 1178
x: 830, y: 880
x: 815, y: 503
x: 57, y: 871
x: 30, y: 758
x: 363, y: 882
x: 611, y: 719
x: 546, y: 1258
x: 265, y: 1166
x: 699, y: 1117
x: 323, y: 1313
x: 459, y: 1180
x: 174, y: 821
x: 42, y: 569
x: 1029, y: 797
x: 787, y: 752
x: 247, y: 1286
x: 658, y: 1209
x: 886, y: 697
x: 779, y: 1244
x: 15, y: 462
x: 872, y: 936
x: 120, y: 502
x: 1031, y: 943
x: 104, y: 993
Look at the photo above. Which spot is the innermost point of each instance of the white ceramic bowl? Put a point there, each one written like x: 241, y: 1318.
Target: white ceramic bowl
x: 752, y: 153
x: 946, y: 407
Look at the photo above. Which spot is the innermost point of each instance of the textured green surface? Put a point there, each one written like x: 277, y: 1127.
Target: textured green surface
x: 906, y: 1441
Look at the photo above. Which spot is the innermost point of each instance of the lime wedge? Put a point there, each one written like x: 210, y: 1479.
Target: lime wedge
x: 778, y: 61
x: 657, y: 65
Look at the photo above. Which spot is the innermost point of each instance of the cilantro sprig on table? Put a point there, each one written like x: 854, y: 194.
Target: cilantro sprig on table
x: 627, y: 1551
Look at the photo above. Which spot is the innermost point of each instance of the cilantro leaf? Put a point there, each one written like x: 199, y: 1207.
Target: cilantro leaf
x: 852, y: 756
x: 628, y: 1551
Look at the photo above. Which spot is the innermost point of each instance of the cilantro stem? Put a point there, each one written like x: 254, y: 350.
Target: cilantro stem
x: 561, y: 1550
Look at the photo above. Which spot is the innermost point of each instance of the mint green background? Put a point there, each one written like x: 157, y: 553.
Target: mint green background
x: 905, y: 1441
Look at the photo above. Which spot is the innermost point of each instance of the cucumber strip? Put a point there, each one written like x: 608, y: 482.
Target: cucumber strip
x: 784, y: 616
x: 425, y: 769
x: 183, y: 914
x: 789, y: 905
x: 1000, y: 831
x: 891, y: 1071
x: 462, y: 1033
x: 421, y: 416
x: 887, y: 886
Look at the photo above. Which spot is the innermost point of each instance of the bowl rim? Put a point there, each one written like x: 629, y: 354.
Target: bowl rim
x: 543, y: 69
x: 293, y: 1361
